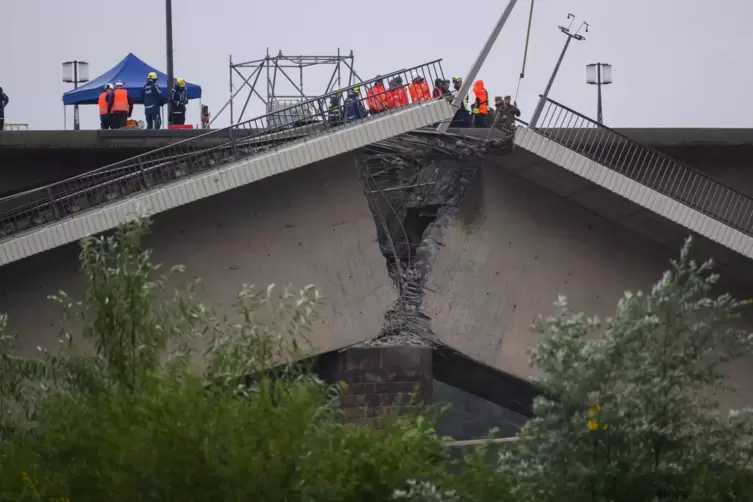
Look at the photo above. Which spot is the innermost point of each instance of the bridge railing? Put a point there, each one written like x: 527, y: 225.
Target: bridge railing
x: 16, y: 126
x: 40, y: 206
x: 647, y: 166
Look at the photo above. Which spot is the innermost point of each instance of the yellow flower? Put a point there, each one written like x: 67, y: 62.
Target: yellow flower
x: 593, y: 424
x: 32, y: 484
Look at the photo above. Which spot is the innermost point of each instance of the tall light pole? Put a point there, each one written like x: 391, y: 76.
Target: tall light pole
x: 479, y: 62
x: 170, y: 78
x: 570, y: 37
x: 599, y: 74
x: 76, y: 72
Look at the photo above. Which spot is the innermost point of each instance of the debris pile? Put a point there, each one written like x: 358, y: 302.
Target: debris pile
x: 414, y: 185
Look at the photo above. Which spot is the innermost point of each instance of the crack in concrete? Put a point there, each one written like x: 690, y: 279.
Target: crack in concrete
x: 414, y: 185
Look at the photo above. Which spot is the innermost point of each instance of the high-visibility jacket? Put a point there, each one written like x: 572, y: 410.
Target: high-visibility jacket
x: 120, y: 101
x: 481, y: 106
x: 334, y: 105
x: 377, y: 97
x: 464, y: 103
x: 419, y: 91
x: 102, y: 101
x: 397, y: 98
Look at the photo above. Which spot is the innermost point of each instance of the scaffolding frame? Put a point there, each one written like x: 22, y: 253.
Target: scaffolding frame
x: 281, y: 66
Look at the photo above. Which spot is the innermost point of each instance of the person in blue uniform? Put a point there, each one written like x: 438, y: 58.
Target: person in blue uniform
x: 153, y: 101
x: 180, y: 100
x: 3, y: 103
x: 354, y: 108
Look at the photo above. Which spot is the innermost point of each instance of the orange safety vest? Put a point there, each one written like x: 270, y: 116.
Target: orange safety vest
x: 120, y: 101
x: 103, y: 103
x: 482, y: 98
x: 397, y: 98
x: 419, y: 92
x: 377, y: 98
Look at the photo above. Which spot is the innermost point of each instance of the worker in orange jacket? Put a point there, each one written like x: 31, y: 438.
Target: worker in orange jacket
x: 105, y: 119
x: 397, y: 97
x: 419, y: 90
x: 377, y: 97
x: 120, y: 105
x: 480, y: 109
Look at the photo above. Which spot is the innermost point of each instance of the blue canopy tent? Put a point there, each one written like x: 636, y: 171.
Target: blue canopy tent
x: 132, y: 71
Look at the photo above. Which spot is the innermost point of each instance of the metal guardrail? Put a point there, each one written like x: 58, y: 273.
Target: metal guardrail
x: 23, y: 211
x: 15, y: 126
x: 647, y: 166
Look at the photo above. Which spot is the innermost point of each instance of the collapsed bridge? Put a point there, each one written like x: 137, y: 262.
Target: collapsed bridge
x: 457, y: 244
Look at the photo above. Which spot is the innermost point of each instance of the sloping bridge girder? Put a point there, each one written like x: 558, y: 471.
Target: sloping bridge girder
x: 642, y: 175
x: 102, y: 200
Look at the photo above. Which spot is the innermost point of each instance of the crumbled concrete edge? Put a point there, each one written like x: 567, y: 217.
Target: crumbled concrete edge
x: 405, y: 323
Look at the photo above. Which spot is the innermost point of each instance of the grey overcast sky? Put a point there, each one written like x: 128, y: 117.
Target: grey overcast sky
x: 677, y: 63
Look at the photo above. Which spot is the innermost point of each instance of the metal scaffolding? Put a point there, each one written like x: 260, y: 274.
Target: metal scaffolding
x: 288, y: 71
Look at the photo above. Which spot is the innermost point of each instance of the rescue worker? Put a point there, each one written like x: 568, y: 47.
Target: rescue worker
x: 105, y: 119
x: 119, y: 106
x: 334, y: 109
x: 204, y: 116
x: 457, y: 83
x: 437, y: 91
x: 376, y: 97
x: 396, y: 96
x: 480, y: 109
x: 505, y: 113
x: 153, y: 100
x: 354, y: 109
x: 180, y: 100
x: 419, y: 90
x: 463, y: 117
x: 3, y: 103
x: 445, y: 88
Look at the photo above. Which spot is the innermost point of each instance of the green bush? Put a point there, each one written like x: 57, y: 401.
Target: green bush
x: 143, y: 413
x: 631, y: 411
x: 133, y: 417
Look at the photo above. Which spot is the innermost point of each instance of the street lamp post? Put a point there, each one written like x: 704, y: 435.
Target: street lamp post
x: 170, y: 77
x: 599, y: 74
x: 76, y: 72
x: 570, y: 37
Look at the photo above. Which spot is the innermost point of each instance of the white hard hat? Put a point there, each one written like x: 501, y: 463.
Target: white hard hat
x: 108, y: 85
x: 118, y: 83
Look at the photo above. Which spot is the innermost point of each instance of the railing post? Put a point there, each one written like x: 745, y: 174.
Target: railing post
x: 233, y: 145
x: 143, y: 174
x: 55, y: 211
x: 323, y: 109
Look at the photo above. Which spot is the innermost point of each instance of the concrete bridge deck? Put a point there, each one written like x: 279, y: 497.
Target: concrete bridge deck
x: 307, y: 226
x: 45, y: 228
x: 33, y: 158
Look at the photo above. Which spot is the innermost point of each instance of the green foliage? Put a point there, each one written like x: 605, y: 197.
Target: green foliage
x: 632, y: 414
x: 129, y: 409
